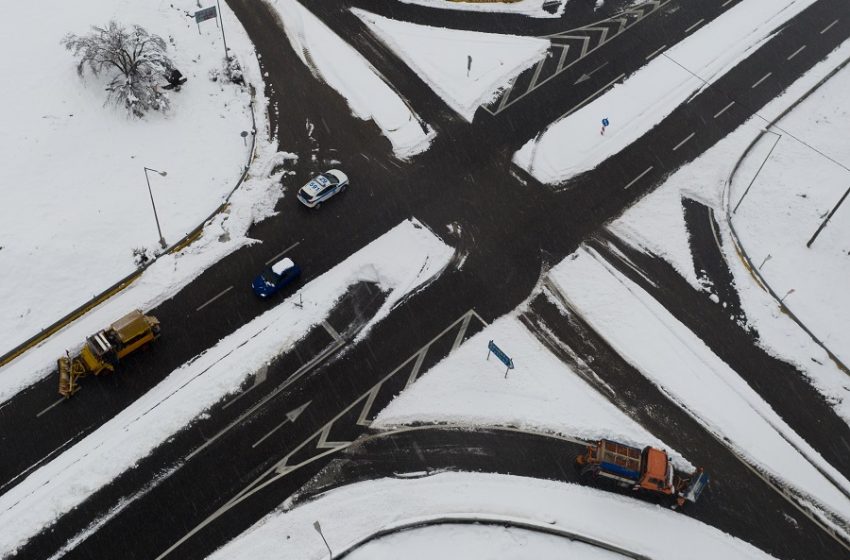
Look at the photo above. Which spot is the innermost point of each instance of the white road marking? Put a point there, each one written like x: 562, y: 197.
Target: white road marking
x: 49, y: 407
x: 697, y: 24
x: 274, y: 258
x: 679, y: 145
x: 591, y: 96
x: 261, y: 375
x: 537, y: 73
x: 215, y: 297
x: 763, y: 78
x: 289, y: 381
x: 795, y: 53
x: 724, y: 109
x: 828, y: 27
x: 724, y: 4
x: 258, y: 483
x: 331, y: 331
x: 636, y: 179
x: 290, y: 417
x: 650, y: 55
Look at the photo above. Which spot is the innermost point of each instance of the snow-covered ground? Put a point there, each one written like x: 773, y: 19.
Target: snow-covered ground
x: 75, y: 200
x: 478, y: 542
x: 533, y: 8
x: 345, y: 70
x: 466, y: 68
x: 573, y: 144
x: 676, y: 360
x: 350, y: 514
x: 541, y: 394
x: 779, y: 214
x: 399, y: 262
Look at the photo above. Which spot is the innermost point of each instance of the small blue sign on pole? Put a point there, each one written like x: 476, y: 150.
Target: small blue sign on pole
x: 204, y: 14
x: 605, y: 122
x: 509, y: 363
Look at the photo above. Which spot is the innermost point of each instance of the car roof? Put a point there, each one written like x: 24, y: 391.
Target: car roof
x: 282, y: 265
x: 316, y: 185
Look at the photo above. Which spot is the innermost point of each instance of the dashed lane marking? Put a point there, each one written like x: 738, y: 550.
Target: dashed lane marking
x: 281, y: 468
x: 274, y: 258
x: 694, y: 26
x: 763, y: 78
x: 795, y: 53
x: 828, y: 27
x: 639, y: 177
x: 49, y: 407
x: 655, y: 52
x: 680, y: 144
x: 724, y: 109
x: 215, y: 297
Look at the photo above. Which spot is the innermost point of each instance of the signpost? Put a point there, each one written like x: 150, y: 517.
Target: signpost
x: 492, y: 348
x: 210, y: 13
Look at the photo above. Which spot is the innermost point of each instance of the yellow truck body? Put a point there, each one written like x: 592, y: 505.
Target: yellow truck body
x: 104, y: 349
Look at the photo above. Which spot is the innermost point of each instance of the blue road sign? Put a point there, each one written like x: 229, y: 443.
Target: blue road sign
x: 605, y: 122
x: 204, y: 14
x: 491, y: 347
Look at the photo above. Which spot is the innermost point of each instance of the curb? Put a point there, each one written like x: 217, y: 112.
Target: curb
x: 497, y: 520
x: 117, y: 287
x: 739, y: 246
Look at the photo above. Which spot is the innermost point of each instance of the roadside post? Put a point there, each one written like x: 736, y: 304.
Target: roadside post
x: 213, y: 12
x: 318, y: 529
x: 492, y: 348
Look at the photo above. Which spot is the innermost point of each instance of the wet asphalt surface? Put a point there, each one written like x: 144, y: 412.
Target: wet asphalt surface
x: 510, y: 229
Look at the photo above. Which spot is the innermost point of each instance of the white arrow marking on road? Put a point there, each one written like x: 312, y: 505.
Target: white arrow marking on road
x: 291, y: 416
x: 585, y: 77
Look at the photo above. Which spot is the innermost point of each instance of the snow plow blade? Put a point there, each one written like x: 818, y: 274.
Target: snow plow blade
x: 67, y: 384
x: 696, y: 487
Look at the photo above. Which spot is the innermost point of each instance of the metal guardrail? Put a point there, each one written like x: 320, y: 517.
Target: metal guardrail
x: 118, y: 286
x: 739, y: 246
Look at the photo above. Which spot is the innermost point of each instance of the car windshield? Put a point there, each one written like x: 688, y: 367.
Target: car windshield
x: 333, y: 180
x: 269, y: 276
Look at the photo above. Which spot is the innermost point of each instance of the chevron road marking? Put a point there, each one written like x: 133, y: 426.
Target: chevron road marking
x: 281, y: 468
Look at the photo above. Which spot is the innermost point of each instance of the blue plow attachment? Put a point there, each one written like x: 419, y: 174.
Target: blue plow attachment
x: 696, y: 487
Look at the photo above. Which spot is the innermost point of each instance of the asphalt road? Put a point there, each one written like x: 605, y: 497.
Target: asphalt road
x: 511, y: 229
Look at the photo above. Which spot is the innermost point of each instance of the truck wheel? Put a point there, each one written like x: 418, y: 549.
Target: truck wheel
x: 587, y: 478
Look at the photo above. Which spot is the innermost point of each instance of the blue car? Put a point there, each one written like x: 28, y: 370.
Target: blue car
x: 275, y: 277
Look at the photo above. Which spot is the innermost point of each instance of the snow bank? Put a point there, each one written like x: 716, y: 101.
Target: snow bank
x: 75, y: 199
x: 351, y: 513
x: 573, y: 144
x: 350, y: 74
x: 466, y: 68
x: 541, y: 394
x: 533, y: 8
x: 656, y: 224
x: 398, y: 262
x: 676, y: 360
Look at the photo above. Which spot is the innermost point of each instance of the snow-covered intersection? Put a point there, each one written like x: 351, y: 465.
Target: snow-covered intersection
x: 605, y: 338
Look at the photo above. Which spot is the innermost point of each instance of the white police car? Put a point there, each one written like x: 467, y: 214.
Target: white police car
x: 322, y: 187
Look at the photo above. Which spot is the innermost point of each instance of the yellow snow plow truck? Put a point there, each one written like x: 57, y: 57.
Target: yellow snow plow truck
x: 104, y: 349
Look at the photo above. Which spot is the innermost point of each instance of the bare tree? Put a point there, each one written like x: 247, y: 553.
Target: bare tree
x: 137, y: 59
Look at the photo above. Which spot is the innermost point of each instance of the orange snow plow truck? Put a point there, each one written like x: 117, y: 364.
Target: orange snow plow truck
x: 105, y: 348
x: 646, y: 471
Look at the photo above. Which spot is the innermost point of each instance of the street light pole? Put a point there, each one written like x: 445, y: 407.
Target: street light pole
x: 150, y: 192
x: 318, y: 529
